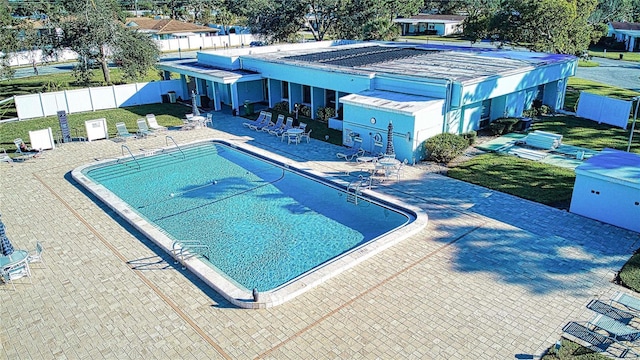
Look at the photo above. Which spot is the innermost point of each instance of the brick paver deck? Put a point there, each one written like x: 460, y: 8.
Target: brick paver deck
x: 492, y: 276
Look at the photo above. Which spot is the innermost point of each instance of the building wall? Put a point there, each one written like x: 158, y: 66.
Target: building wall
x: 613, y: 203
x: 344, y: 82
x: 250, y: 90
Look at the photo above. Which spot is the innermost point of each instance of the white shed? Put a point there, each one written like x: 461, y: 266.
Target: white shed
x: 607, y: 188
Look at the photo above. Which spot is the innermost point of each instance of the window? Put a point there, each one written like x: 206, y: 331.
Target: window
x: 285, y: 89
x: 306, y: 94
x: 431, y: 27
x: 485, y: 113
x: 330, y: 98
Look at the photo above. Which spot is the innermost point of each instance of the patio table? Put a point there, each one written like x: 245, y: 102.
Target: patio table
x: 16, y: 257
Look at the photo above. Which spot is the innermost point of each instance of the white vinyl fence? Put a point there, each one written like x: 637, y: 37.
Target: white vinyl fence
x: 206, y: 42
x: 23, y: 58
x: 603, y: 109
x: 96, y: 98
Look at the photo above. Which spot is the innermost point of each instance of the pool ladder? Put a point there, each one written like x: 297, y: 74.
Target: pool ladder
x: 354, y: 189
x: 130, y: 154
x: 186, y: 250
x: 166, y: 141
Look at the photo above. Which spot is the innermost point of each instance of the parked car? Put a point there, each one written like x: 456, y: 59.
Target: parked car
x: 258, y: 43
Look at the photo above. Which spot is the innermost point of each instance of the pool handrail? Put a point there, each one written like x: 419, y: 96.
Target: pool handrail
x: 130, y: 154
x: 166, y: 138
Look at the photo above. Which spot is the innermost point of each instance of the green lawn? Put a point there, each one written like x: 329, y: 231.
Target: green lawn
x: 587, y: 133
x: 575, y: 85
x: 166, y: 114
x: 527, y: 179
x: 599, y: 52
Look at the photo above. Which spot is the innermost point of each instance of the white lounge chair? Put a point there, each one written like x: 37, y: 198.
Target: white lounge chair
x: 4, y: 157
x: 258, y: 120
x: 273, y: 127
x: 153, y: 123
x: 24, y: 155
x: 282, y: 131
x: 353, y: 152
x: 143, y: 129
x: 264, y: 122
x: 123, y: 133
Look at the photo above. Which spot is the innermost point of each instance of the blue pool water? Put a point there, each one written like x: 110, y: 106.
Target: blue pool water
x: 264, y: 224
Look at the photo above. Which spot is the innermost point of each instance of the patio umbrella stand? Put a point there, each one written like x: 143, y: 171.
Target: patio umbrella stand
x: 194, y: 107
x: 6, y: 248
x: 390, y: 150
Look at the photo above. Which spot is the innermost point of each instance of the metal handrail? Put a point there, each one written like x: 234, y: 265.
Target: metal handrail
x: 131, y: 154
x: 166, y: 141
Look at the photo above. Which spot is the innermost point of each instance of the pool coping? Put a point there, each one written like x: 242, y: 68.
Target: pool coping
x: 225, y: 287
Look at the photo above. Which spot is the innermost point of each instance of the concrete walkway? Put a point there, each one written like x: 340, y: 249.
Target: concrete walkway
x: 492, y: 276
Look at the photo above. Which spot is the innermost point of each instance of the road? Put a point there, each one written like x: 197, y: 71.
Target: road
x: 624, y: 74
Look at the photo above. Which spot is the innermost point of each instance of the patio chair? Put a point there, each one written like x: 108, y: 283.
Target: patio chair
x: 378, y: 149
x: 123, y: 133
x: 153, y: 123
x: 273, y: 127
x: 258, y: 120
x: 306, y: 135
x: 631, y: 303
x: 16, y: 271
x: 293, y: 138
x: 25, y: 153
x: 208, y: 120
x: 595, y: 341
x: 257, y: 126
x: 396, y: 171
x: 282, y: 131
x: 143, y: 129
x: 4, y: 157
x: 615, y: 313
x: 36, y: 255
x: 616, y: 329
x: 353, y: 152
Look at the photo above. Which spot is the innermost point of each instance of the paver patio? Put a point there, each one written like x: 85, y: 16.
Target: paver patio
x: 491, y: 277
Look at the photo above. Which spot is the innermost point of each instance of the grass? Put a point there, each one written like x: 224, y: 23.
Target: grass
x: 573, y: 351
x: 587, y: 63
x: 530, y: 180
x: 166, y: 114
x: 600, y: 52
x: 586, y: 133
x: 575, y: 85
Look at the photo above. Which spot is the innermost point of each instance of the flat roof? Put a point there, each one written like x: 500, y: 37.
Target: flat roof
x: 392, y: 101
x: 615, y: 165
x: 458, y: 63
x: 194, y: 66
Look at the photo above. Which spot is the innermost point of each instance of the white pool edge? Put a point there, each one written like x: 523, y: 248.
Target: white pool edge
x: 230, y: 291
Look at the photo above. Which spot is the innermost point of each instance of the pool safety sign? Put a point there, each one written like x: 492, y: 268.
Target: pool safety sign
x: 64, y: 126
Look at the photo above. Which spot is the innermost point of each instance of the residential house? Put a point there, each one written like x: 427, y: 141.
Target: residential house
x: 626, y: 32
x: 164, y: 29
x: 428, y: 24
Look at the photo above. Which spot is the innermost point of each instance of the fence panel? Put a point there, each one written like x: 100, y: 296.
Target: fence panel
x: 79, y: 100
x: 98, y: 98
x: 102, y: 98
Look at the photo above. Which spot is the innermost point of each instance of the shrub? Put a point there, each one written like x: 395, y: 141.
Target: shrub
x: 324, y: 113
x: 544, y: 110
x: 282, y: 106
x: 305, y: 111
x: 445, y: 147
x: 471, y: 137
x: 503, y: 126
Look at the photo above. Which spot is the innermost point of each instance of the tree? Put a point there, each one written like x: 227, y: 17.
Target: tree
x: 612, y: 10
x: 8, y: 39
x: 94, y: 31
x: 558, y: 26
x: 324, y: 15
x: 276, y: 20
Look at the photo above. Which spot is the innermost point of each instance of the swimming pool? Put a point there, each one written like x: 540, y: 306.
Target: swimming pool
x: 255, y: 220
